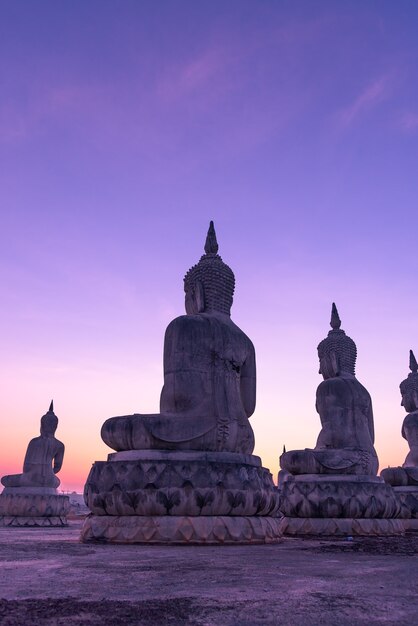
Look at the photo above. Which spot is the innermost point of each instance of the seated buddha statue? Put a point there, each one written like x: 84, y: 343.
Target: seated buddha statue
x: 407, y: 475
x: 345, y: 443
x: 43, y: 459
x: 209, y: 373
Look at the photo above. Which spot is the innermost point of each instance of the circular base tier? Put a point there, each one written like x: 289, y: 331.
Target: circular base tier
x: 178, y: 530
x: 343, y: 527
x: 408, y: 496
x: 33, y: 505
x: 345, y: 497
x: 411, y: 525
x: 39, y: 522
x: 182, y: 485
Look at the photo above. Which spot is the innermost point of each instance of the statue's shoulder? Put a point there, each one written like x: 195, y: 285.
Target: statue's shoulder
x: 340, y: 385
x: 347, y: 390
x: 35, y: 441
x: 184, y: 326
x: 411, y: 420
x: 185, y: 321
x: 331, y: 384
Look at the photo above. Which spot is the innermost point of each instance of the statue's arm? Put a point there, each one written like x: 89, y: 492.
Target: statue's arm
x: 58, y: 459
x: 248, y: 383
x: 28, y: 456
x: 182, y: 364
x: 329, y: 405
x: 370, y: 421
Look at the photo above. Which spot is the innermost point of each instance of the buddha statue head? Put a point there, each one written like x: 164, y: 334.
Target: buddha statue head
x: 337, y: 353
x: 49, y: 422
x: 209, y: 285
x: 409, y: 386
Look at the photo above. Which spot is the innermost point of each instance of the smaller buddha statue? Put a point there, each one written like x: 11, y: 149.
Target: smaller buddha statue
x: 43, y: 459
x: 345, y: 443
x: 407, y: 475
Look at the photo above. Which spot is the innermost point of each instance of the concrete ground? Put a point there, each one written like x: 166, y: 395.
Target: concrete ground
x: 48, y: 577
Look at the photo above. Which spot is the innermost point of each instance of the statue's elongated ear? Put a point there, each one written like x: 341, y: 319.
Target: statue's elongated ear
x: 335, y: 362
x: 415, y: 398
x: 200, y: 296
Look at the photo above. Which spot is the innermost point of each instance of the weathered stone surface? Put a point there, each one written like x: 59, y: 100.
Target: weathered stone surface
x: 342, y: 527
x: 408, y: 496
x: 43, y: 459
x: 345, y: 443
x: 179, y: 486
x: 339, y: 497
x: 411, y: 524
x: 186, y: 455
x: 31, y: 509
x: 209, y: 373
x: 174, y: 530
x: 37, y: 522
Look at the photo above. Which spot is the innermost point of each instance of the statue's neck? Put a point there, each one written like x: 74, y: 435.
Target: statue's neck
x: 218, y: 314
x: 344, y: 375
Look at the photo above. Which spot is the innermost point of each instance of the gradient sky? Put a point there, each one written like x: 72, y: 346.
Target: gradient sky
x: 126, y: 126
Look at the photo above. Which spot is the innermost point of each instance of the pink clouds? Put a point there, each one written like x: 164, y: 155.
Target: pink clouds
x: 375, y: 92
x: 198, y: 76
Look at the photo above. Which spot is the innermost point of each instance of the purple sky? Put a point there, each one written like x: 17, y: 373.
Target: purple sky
x: 126, y: 126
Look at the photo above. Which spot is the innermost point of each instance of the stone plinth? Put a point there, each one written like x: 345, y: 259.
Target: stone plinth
x: 340, y: 505
x: 159, y: 529
x: 408, y: 497
x: 33, y: 506
x: 181, y: 497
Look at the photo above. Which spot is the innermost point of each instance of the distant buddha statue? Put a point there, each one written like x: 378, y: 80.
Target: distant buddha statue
x: 345, y: 443
x: 43, y: 459
x: 209, y: 373
x: 407, y: 475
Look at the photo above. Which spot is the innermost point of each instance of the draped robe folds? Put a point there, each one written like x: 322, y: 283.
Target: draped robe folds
x: 208, y: 393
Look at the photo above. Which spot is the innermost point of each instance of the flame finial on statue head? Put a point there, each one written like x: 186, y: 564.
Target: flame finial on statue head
x: 211, y: 244
x: 49, y: 421
x: 335, y: 318
x: 413, y: 365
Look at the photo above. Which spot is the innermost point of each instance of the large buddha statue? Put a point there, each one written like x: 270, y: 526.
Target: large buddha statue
x: 407, y: 475
x: 209, y: 373
x: 345, y: 443
x: 43, y: 459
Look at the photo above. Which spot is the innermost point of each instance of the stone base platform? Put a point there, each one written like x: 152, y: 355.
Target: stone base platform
x: 340, y: 505
x: 343, y: 527
x: 36, y: 522
x: 39, y: 507
x: 160, y: 496
x: 408, y: 497
x: 155, y: 482
x: 178, y: 530
x: 411, y: 525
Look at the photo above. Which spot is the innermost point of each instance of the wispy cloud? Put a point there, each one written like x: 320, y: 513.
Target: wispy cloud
x: 369, y: 98
x: 409, y: 122
x: 199, y: 76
